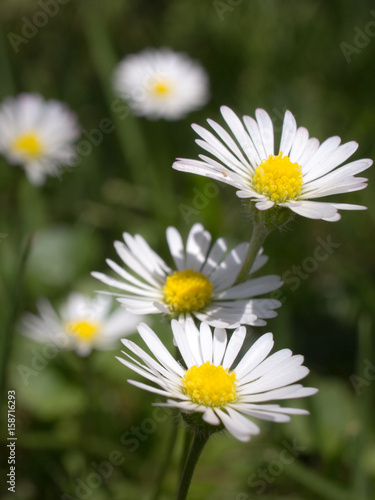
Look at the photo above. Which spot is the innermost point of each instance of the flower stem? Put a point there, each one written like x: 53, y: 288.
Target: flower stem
x: 197, y: 446
x: 185, y: 451
x: 258, y: 237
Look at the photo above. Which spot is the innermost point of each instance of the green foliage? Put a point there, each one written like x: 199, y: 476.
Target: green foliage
x: 272, y: 54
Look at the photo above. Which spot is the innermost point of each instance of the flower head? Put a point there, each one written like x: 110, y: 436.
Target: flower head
x: 214, y: 382
x: 301, y: 171
x: 161, y: 84
x: 83, y: 323
x: 201, y: 285
x: 37, y: 134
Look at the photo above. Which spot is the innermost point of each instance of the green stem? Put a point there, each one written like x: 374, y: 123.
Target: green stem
x: 199, y: 442
x: 258, y: 237
x: 165, y: 464
x: 185, y: 450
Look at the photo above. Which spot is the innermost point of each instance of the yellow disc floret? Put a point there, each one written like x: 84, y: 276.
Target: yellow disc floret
x: 278, y: 178
x: 187, y: 291
x: 28, y: 145
x: 85, y: 331
x: 161, y: 88
x: 210, y: 385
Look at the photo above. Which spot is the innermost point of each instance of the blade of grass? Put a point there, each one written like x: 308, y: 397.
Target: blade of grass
x: 130, y: 136
x: 360, y: 481
x: 13, y: 311
x: 7, y: 80
x: 312, y: 480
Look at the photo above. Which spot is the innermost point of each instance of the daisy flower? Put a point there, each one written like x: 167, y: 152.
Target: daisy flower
x: 201, y: 285
x: 301, y: 171
x: 38, y: 135
x: 161, y: 84
x: 214, y: 382
x: 83, y: 324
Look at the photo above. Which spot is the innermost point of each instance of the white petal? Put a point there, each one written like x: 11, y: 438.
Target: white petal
x: 182, y: 343
x: 157, y: 348
x: 288, y: 133
x: 217, y: 252
x: 312, y: 146
x: 341, y: 154
x: 229, y: 142
x: 266, y: 130
x: 322, y: 153
x: 299, y: 144
x: 193, y: 338
x: 251, y: 288
x: 206, y: 342
x: 176, y: 247
x: 241, y: 135
x: 219, y: 345
x: 253, y: 129
x: 210, y: 417
x: 255, y: 355
x: 227, y: 271
x: 234, y: 346
x: 312, y: 209
x: 240, y: 432
x: 197, y: 246
x: 149, y: 388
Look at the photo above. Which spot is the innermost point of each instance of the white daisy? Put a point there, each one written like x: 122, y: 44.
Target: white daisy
x: 213, y: 382
x: 302, y: 170
x: 83, y: 324
x: 161, y: 84
x: 38, y: 135
x: 202, y: 284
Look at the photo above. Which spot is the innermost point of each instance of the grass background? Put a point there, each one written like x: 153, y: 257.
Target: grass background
x: 258, y: 53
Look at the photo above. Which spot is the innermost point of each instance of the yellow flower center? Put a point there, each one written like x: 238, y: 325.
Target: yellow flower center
x: 187, y: 291
x: 161, y: 88
x: 210, y: 385
x: 85, y: 331
x: 278, y: 178
x: 28, y: 145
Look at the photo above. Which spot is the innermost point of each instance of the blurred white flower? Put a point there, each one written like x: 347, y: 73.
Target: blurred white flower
x: 213, y: 382
x: 302, y: 171
x: 201, y: 286
x: 82, y: 324
x: 161, y: 84
x: 38, y: 135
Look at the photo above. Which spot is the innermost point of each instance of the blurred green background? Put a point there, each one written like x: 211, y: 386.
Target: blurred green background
x: 78, y: 412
